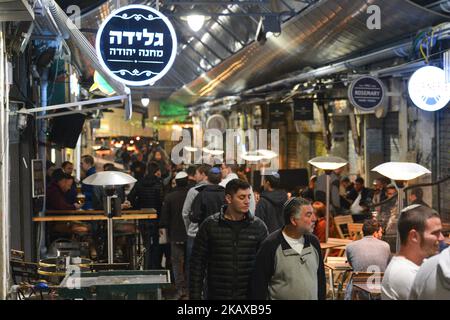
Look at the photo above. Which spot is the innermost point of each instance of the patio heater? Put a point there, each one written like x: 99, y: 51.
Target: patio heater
x: 108, y: 180
x: 400, y: 173
x: 328, y: 164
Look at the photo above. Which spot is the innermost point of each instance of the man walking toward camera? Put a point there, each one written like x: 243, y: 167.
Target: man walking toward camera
x: 225, y: 247
x: 289, y: 264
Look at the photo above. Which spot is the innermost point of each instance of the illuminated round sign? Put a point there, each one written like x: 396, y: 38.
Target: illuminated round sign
x: 136, y: 45
x: 428, y: 90
x: 366, y: 93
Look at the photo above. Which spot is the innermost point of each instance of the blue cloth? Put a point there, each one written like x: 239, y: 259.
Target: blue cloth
x: 88, y: 191
x: 442, y: 246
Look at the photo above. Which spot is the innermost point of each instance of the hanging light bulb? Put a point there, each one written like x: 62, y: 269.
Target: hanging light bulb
x: 145, y: 100
x: 196, y: 21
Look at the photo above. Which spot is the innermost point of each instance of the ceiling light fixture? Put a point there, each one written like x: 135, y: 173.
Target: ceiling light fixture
x: 145, y: 100
x: 196, y: 21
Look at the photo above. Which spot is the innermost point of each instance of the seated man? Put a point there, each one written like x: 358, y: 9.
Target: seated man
x: 420, y: 231
x: 370, y: 254
x: 56, y: 200
x: 56, y: 192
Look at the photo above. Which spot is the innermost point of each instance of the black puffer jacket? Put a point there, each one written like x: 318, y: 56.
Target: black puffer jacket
x: 270, y: 209
x: 210, y: 199
x: 147, y: 193
x: 227, y: 250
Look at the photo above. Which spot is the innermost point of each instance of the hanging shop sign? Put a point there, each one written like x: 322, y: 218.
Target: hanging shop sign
x: 136, y: 45
x: 303, y: 109
x: 428, y: 89
x: 276, y: 111
x: 366, y: 93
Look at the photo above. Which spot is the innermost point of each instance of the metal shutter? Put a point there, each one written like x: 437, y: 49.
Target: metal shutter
x: 391, y: 137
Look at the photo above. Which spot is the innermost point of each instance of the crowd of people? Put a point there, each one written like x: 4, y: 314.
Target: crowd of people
x: 228, y: 241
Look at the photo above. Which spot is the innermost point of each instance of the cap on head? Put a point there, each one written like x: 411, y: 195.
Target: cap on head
x: 215, y: 170
x: 181, y: 175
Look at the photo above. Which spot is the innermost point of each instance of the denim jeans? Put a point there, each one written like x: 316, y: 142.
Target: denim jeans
x: 189, y: 245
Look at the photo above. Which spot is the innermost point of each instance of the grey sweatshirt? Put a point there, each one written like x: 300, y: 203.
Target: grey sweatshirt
x: 191, y: 228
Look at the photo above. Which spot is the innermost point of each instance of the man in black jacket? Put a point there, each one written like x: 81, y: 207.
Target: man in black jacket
x: 270, y: 206
x: 289, y: 264
x: 225, y: 247
x: 147, y: 193
x: 210, y: 199
x: 171, y: 223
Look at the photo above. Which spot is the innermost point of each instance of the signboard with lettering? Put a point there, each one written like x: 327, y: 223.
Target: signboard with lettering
x: 37, y: 178
x: 303, y: 109
x: 366, y: 93
x: 276, y: 111
x: 136, y: 45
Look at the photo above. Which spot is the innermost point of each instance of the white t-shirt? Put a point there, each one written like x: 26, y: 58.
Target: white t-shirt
x: 296, y: 244
x: 398, y: 279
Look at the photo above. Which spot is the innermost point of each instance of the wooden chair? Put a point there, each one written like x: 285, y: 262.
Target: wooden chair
x: 338, y: 272
x: 366, y: 285
x: 355, y: 231
x: 341, y: 223
x: 24, y: 275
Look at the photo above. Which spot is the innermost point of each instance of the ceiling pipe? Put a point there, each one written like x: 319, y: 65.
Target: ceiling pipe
x: 384, y: 54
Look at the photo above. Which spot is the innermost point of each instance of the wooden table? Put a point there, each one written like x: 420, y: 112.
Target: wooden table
x: 95, y: 217
x: 91, y: 212
x: 336, y: 243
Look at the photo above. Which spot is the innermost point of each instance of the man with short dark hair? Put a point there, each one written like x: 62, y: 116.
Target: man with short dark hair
x: 229, y: 172
x: 379, y: 192
x: 210, y: 198
x: 369, y: 254
x: 420, y: 231
x: 87, y: 165
x: 55, y: 195
x: 191, y: 170
x: 289, y: 264
x: 270, y: 206
x: 361, y: 199
x: 225, y: 247
x: 416, y: 197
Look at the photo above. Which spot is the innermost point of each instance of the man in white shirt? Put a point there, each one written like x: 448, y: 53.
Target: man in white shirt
x: 420, y: 231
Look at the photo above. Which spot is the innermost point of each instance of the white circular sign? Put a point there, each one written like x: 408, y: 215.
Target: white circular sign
x: 428, y: 90
x: 136, y: 45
